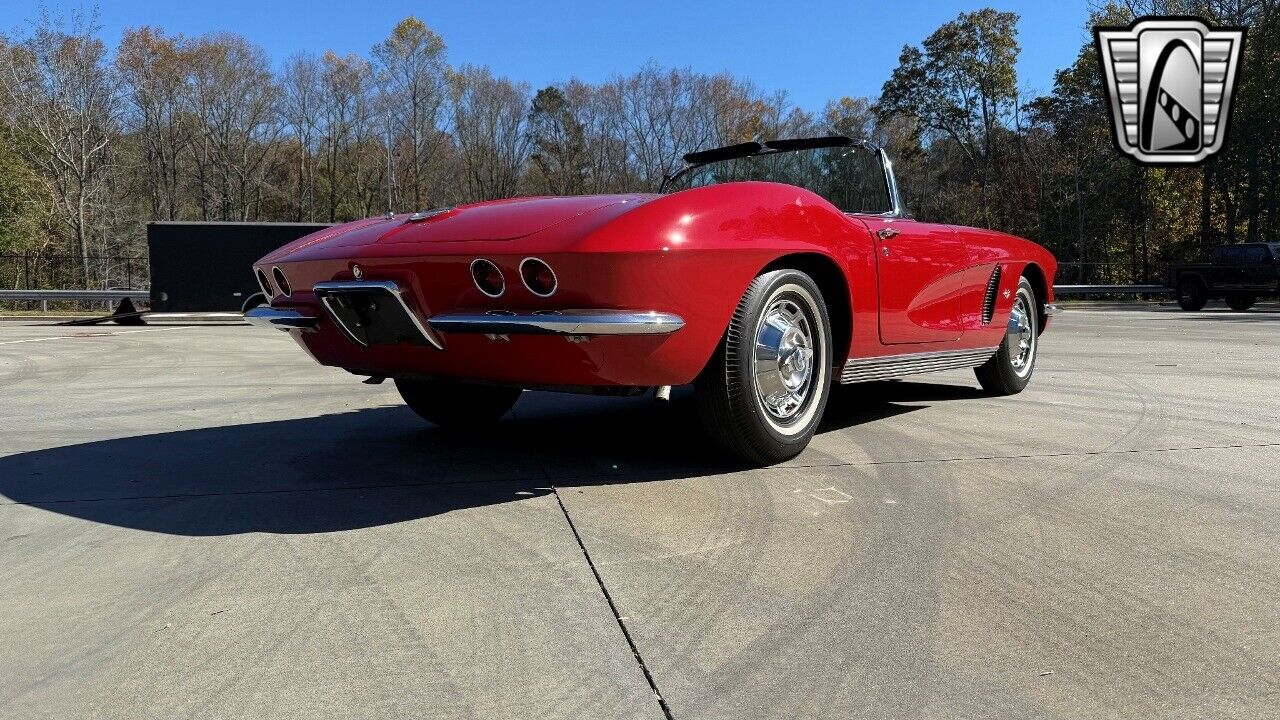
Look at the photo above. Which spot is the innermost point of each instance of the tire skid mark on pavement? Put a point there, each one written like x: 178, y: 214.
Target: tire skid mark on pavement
x: 639, y: 476
x: 1007, y: 566
x: 93, y: 335
x: 1032, y: 456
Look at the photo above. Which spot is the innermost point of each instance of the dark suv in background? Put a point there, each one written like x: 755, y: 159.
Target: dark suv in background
x: 1239, y: 274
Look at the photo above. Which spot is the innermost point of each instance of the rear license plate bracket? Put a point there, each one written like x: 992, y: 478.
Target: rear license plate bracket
x: 372, y: 314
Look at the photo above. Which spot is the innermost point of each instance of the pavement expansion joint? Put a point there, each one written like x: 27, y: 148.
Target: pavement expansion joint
x: 622, y: 625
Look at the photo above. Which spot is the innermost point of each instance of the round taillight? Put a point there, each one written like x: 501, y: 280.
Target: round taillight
x: 538, y: 277
x: 488, y: 278
x: 264, y: 283
x: 281, y: 282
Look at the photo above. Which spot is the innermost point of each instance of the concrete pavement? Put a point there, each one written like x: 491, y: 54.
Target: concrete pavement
x: 199, y: 522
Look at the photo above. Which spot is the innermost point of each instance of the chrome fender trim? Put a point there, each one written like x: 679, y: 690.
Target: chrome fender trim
x: 280, y: 319
x: 894, y: 366
x: 558, y: 322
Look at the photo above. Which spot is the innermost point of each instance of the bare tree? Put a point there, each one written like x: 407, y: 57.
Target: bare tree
x: 153, y: 70
x: 488, y: 119
x: 658, y: 120
x: 345, y: 86
x: 203, y: 129
x: 607, y: 161
x: 234, y: 99
x: 62, y: 95
x: 369, y: 170
x: 302, y: 96
x: 411, y: 69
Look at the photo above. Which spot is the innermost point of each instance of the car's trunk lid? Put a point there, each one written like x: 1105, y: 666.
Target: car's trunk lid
x: 494, y: 220
x: 498, y: 220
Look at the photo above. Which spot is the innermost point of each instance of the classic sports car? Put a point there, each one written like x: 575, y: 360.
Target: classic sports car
x: 761, y: 274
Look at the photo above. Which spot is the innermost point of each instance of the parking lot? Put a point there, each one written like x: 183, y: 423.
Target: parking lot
x: 198, y: 521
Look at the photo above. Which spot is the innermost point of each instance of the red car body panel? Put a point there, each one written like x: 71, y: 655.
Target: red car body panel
x: 691, y: 253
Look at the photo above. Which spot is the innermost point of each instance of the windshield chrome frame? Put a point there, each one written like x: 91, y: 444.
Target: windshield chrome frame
x: 897, y: 209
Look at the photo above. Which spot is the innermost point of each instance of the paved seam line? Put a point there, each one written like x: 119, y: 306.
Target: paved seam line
x: 666, y: 711
x: 624, y: 477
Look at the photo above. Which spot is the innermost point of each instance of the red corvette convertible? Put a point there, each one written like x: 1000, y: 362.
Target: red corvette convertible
x: 762, y: 274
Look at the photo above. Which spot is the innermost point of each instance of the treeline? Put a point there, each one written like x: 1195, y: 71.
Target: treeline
x: 1047, y: 167
x: 96, y: 142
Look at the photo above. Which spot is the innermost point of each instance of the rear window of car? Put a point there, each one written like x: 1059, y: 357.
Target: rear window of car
x: 849, y: 177
x: 1256, y: 254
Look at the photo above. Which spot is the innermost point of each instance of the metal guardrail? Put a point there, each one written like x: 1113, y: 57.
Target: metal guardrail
x: 1111, y: 290
x: 85, y: 295
x: 44, y: 296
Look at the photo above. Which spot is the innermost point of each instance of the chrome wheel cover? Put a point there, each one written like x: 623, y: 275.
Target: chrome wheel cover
x: 1021, y: 345
x: 784, y: 359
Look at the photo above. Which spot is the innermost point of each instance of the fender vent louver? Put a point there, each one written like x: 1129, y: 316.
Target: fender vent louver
x: 989, y: 300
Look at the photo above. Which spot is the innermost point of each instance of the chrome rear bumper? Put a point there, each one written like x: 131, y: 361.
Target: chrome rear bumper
x: 497, y: 322
x: 558, y: 322
x: 280, y: 319
x: 493, y: 322
x: 1050, y: 309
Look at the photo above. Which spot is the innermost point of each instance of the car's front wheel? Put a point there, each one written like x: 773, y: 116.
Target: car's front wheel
x: 1010, y: 369
x: 763, y: 393
x: 1191, y: 295
x: 456, y: 404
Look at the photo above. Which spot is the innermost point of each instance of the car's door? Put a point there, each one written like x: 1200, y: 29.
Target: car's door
x: 1257, y: 267
x: 920, y: 279
x: 1224, y: 267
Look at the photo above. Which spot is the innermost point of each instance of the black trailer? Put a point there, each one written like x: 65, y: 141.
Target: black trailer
x: 207, y: 266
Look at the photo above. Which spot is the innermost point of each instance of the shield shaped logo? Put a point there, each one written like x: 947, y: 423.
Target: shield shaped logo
x: 1170, y: 82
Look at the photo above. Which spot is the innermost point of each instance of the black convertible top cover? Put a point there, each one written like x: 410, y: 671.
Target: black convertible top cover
x: 747, y: 149
x: 728, y: 152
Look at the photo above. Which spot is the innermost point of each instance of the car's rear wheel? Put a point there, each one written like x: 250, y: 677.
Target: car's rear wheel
x: 1191, y: 295
x: 1010, y: 369
x: 457, y: 404
x: 763, y: 393
x: 1240, y: 303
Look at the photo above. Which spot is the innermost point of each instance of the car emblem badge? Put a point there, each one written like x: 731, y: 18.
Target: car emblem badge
x: 1170, y: 80
x: 1006, y: 294
x: 357, y: 271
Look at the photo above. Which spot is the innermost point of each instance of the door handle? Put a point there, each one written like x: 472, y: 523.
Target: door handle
x: 887, y: 233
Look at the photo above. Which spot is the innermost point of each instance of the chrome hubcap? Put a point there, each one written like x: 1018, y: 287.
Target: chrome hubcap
x: 784, y: 359
x: 1022, y: 344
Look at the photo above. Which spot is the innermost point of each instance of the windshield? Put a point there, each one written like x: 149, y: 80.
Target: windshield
x: 849, y: 177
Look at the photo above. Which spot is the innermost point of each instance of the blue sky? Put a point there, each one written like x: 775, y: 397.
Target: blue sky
x: 814, y: 51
